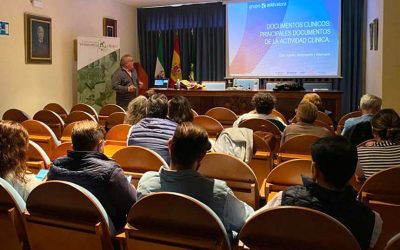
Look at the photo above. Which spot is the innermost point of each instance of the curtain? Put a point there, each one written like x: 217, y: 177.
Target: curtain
x: 200, y: 27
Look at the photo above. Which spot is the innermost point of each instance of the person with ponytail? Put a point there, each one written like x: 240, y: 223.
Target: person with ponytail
x: 384, y: 151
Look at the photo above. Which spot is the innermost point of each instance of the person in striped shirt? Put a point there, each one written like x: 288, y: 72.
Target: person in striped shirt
x: 384, y: 151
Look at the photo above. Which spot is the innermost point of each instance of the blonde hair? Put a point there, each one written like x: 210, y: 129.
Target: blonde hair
x: 315, y: 99
x: 307, y: 112
x: 372, y: 102
x: 136, y: 110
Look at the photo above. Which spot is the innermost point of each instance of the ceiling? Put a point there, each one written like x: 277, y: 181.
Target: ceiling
x: 152, y: 3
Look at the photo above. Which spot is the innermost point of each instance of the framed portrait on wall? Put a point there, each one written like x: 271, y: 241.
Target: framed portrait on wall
x: 109, y: 27
x: 38, y: 45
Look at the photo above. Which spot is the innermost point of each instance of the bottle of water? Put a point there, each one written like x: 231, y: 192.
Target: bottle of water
x: 178, y: 84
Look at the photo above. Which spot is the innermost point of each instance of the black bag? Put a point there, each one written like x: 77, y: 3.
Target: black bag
x: 288, y: 86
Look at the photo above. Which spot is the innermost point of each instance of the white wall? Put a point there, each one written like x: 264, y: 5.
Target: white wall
x: 31, y: 86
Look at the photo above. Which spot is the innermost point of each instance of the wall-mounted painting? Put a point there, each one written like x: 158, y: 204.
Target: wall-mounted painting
x: 109, y: 27
x: 38, y: 39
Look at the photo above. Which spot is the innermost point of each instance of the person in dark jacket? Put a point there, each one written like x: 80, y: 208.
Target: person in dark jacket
x: 88, y: 167
x: 154, y: 131
x: 334, y: 161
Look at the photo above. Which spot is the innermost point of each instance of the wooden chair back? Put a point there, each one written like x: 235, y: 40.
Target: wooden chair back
x: 66, y: 135
x: 76, y: 116
x: 115, y: 119
x: 51, y: 119
x: 37, y: 158
x: 136, y: 160
x: 85, y: 108
x: 280, y: 115
x: 15, y: 115
x: 211, y: 125
x: 224, y: 115
x: 324, y: 125
x: 13, y: 235
x: 61, y: 150
x: 295, y: 228
x: 41, y: 134
x: 116, y: 139
x: 297, y: 147
x: 342, y: 120
x: 325, y: 118
x: 237, y: 175
x: 257, y: 124
x: 394, y: 243
x: 107, y: 110
x: 69, y: 217
x: 286, y: 174
x: 381, y: 192
x: 194, y: 113
x: 55, y: 107
x: 184, y: 223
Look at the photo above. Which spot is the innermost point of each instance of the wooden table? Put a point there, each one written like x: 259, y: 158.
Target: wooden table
x: 240, y: 100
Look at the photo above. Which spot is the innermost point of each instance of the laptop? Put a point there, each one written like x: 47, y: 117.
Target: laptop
x: 161, y: 83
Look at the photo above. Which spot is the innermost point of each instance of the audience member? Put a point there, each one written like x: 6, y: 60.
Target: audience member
x: 306, y: 115
x: 384, y: 152
x: 14, y: 143
x: 264, y: 103
x: 180, y: 110
x: 369, y: 105
x: 88, y: 167
x: 315, y: 99
x: 334, y: 161
x: 154, y: 131
x: 136, y: 110
x: 187, y: 148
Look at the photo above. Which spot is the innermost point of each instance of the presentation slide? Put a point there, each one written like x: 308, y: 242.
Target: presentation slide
x: 284, y: 38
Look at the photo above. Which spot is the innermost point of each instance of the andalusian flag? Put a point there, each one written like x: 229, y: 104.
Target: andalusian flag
x: 176, y: 71
x: 160, y: 70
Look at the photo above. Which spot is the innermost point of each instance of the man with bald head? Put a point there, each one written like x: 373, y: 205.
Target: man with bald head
x: 125, y: 82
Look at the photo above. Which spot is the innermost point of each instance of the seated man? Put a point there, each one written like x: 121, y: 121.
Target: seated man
x: 369, y: 105
x: 187, y: 148
x: 154, y: 131
x: 334, y: 163
x: 88, y: 167
x: 263, y: 103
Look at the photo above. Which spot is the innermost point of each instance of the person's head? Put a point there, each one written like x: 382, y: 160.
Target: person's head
x: 40, y: 34
x: 127, y: 62
x: 149, y: 93
x: 370, y: 104
x: 306, y: 112
x: 188, y: 146
x: 315, y: 99
x: 136, y: 110
x: 334, y: 161
x: 264, y: 103
x: 87, y: 136
x: 157, y: 106
x: 386, y: 125
x: 180, y: 110
x: 14, y: 143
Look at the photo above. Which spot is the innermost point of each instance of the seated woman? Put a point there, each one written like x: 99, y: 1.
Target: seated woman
x: 306, y: 115
x: 315, y: 99
x: 136, y: 110
x: 180, y: 110
x: 14, y: 143
x: 384, y: 152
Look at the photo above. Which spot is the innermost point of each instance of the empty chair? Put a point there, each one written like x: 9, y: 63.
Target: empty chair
x: 13, y: 235
x: 257, y: 124
x: 342, y: 120
x: 394, y: 243
x: 66, y: 135
x: 297, y: 148
x: 286, y: 174
x: 61, y: 150
x: 55, y: 107
x: 114, y: 119
x: 184, y: 223
x: 51, y: 119
x: 237, y: 175
x: 381, y: 192
x: 325, y: 119
x: 62, y: 215
x: 224, y: 115
x: 116, y: 139
x: 37, y: 158
x: 85, y: 108
x: 41, y: 134
x: 280, y: 115
x: 295, y: 228
x: 211, y: 125
x: 324, y: 125
x: 107, y: 110
x: 76, y: 116
x: 136, y: 160
x: 15, y: 115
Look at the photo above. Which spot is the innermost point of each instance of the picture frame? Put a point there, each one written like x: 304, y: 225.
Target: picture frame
x: 376, y: 33
x: 109, y: 27
x: 38, y: 39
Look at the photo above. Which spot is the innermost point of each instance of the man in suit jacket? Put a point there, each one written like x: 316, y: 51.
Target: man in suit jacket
x: 125, y: 82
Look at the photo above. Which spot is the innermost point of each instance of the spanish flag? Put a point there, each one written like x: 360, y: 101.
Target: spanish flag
x: 176, y: 71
